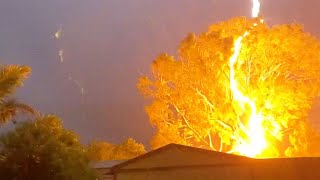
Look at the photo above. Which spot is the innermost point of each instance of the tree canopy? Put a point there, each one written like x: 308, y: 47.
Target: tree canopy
x: 102, y: 151
x: 278, y: 67
x: 43, y: 149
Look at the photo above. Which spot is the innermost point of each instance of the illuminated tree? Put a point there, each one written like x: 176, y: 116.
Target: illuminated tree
x: 278, y: 68
x: 128, y: 149
x: 102, y: 151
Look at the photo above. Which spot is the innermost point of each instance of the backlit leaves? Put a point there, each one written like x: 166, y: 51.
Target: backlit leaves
x: 278, y: 67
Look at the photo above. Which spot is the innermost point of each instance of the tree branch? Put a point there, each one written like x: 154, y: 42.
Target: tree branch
x: 205, y: 99
x: 211, y: 146
x: 188, y: 125
x: 221, y: 145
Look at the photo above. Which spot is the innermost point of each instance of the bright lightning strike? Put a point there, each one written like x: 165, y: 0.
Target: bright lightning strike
x: 255, y: 8
x: 256, y: 141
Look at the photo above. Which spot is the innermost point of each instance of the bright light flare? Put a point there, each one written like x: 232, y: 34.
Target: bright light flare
x: 255, y: 8
x: 255, y: 142
x: 58, y: 33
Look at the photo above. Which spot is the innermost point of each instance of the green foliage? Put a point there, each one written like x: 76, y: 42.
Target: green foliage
x: 128, y: 149
x: 102, y: 151
x: 9, y: 109
x: 43, y: 149
x: 11, y: 77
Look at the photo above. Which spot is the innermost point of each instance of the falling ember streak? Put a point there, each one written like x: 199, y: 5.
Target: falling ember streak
x: 61, y: 55
x: 70, y: 78
x: 255, y: 142
x: 58, y: 33
x: 58, y: 36
x: 83, y: 92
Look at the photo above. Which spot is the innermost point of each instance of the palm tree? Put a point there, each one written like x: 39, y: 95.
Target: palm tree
x: 11, y: 78
x: 11, y: 108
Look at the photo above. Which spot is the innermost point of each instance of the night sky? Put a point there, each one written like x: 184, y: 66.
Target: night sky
x: 107, y: 44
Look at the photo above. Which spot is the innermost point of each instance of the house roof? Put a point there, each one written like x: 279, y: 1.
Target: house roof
x: 106, y: 164
x: 187, y: 156
x: 192, y: 163
x: 186, y: 162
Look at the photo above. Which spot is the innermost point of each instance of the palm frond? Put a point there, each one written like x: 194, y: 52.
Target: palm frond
x: 12, y: 77
x: 10, y: 109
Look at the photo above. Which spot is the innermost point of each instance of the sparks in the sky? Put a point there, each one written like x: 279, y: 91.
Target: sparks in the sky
x: 58, y: 36
x: 58, y: 33
x: 61, y: 55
